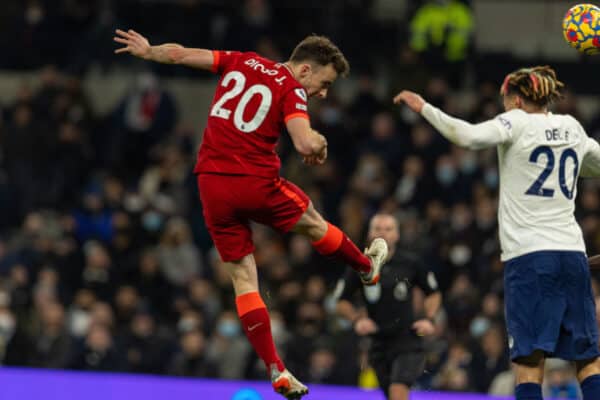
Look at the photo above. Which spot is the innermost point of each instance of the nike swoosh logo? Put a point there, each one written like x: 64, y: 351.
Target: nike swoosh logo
x: 253, y: 327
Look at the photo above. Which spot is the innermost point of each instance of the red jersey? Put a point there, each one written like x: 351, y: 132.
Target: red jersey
x: 253, y: 100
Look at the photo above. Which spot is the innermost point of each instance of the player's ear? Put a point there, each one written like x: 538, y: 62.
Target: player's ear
x: 305, y: 69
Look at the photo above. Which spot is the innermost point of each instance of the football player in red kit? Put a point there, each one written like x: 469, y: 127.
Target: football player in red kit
x: 238, y: 168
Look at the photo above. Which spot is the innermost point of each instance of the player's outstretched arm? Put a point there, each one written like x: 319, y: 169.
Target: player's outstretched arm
x: 590, y: 167
x: 168, y: 53
x: 459, y: 132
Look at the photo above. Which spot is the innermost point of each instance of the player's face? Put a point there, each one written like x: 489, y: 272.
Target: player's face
x: 386, y: 227
x: 317, y: 79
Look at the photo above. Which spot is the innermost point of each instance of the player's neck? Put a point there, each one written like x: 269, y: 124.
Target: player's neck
x: 290, y: 68
x: 533, y: 109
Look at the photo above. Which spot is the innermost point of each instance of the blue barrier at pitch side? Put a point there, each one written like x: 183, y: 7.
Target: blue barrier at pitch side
x: 38, y: 384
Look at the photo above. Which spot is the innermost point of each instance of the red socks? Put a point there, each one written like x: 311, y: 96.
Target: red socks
x: 335, y: 244
x: 257, y: 326
x: 253, y: 312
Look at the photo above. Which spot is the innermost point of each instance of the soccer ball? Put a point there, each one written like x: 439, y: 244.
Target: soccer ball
x: 581, y: 28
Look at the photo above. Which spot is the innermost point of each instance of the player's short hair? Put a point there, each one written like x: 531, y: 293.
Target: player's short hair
x: 538, y: 85
x: 322, y: 51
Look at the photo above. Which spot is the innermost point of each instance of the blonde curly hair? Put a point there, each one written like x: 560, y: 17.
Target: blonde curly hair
x: 537, y: 84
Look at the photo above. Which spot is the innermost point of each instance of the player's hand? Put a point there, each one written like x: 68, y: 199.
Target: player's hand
x: 423, y: 327
x: 316, y: 159
x: 310, y: 160
x: 322, y: 156
x: 135, y: 44
x: 414, y: 101
x: 365, y: 326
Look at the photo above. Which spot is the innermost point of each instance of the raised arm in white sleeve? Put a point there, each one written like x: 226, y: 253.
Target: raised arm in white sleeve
x: 590, y: 167
x: 474, y: 136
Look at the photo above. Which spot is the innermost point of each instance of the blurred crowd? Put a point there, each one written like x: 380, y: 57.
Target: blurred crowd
x: 105, y: 263
x: 72, y: 33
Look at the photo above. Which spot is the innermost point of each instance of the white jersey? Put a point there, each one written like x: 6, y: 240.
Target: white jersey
x: 540, y: 157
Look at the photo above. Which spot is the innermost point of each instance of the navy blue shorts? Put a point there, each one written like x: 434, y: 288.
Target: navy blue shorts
x: 550, y: 305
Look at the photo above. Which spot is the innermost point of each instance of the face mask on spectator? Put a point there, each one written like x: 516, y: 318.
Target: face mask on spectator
x: 229, y: 329
x: 152, y: 221
x: 186, y: 325
x: 344, y: 324
x: 369, y: 171
x: 459, y: 255
x: 134, y: 203
x: 446, y: 174
x: 405, y: 189
x: 479, y: 326
x: 79, y: 323
x: 491, y: 178
x: 468, y: 165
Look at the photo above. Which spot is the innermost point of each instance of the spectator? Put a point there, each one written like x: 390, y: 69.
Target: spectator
x: 20, y: 139
x: 228, y: 349
x: 141, y: 121
x: 97, y: 352
x: 323, y: 366
x: 202, y: 297
x: 179, y: 258
x: 309, y: 327
x: 442, y: 30
x: 8, y: 324
x: 151, y: 284
x: 98, y: 272
x: 385, y: 140
x: 192, y: 360
x: 93, y: 220
x: 489, y: 359
x: 503, y: 384
x: 52, y: 345
x: 144, y: 349
x: 126, y: 302
x: 561, y: 382
x: 79, y: 313
x: 453, y: 375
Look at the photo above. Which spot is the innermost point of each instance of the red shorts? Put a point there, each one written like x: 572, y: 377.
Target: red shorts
x: 230, y: 202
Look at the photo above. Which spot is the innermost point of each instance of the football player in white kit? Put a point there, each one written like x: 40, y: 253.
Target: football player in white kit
x: 550, y: 309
